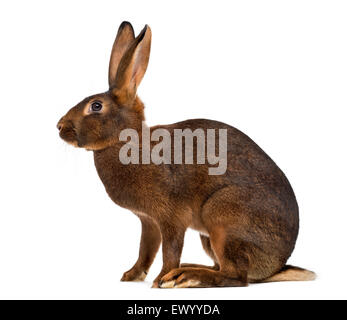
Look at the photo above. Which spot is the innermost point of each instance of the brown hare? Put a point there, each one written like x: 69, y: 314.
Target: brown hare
x: 247, y: 217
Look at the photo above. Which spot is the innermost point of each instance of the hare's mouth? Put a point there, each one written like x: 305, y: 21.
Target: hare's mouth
x: 69, y: 135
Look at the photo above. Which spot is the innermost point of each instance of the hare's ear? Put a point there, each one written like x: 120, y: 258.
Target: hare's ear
x: 132, y: 67
x: 125, y: 37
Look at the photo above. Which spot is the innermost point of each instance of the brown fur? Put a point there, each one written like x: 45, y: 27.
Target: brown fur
x: 248, y: 217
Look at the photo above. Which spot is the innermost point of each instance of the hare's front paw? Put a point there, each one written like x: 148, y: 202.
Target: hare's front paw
x: 134, y: 275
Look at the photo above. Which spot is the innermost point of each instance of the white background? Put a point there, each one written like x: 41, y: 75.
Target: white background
x: 277, y: 70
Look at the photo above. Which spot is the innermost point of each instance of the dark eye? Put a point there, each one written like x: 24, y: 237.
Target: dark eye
x: 96, y: 106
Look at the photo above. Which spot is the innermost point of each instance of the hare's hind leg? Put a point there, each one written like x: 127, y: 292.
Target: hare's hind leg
x: 230, y: 274
x: 206, y: 244
x: 229, y: 250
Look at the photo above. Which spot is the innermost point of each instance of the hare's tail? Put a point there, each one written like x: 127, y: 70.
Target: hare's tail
x: 290, y: 273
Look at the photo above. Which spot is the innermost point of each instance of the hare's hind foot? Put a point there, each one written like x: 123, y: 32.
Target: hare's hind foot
x: 198, y: 278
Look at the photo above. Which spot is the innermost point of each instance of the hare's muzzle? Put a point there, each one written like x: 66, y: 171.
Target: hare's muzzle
x: 67, y: 131
x: 61, y: 124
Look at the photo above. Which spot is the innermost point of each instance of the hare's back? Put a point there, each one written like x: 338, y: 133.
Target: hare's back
x: 247, y: 163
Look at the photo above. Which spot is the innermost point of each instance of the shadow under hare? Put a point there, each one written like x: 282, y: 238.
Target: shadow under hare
x: 247, y: 216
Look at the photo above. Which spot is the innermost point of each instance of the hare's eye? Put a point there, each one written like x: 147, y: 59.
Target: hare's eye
x: 96, y: 106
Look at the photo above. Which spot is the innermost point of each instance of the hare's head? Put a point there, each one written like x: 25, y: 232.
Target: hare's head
x: 95, y: 122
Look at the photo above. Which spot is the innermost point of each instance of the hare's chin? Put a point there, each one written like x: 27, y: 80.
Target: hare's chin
x: 73, y: 143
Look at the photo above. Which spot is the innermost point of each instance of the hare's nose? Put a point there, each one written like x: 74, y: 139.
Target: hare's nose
x: 59, y: 125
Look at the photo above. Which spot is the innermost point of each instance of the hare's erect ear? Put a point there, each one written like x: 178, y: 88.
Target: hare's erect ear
x: 132, y: 66
x: 125, y: 37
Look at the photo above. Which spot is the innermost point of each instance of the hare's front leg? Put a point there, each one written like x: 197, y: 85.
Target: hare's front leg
x: 150, y: 242
x: 173, y: 237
